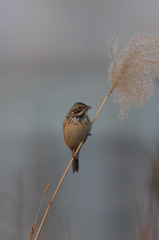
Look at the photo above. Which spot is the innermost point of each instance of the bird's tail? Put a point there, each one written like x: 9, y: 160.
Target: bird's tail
x: 75, y: 164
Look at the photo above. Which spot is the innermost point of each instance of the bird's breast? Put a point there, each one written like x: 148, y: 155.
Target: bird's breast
x: 74, y: 133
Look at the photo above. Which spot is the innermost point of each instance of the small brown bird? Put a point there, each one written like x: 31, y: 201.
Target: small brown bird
x: 76, y: 127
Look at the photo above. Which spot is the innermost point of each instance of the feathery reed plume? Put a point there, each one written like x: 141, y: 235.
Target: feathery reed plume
x: 131, y: 73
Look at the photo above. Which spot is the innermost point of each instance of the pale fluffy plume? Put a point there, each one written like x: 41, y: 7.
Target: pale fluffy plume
x: 131, y: 73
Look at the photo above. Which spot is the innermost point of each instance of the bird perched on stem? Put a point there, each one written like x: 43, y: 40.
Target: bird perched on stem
x: 76, y: 127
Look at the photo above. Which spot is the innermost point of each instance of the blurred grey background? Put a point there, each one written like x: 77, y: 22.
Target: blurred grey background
x: 53, y: 54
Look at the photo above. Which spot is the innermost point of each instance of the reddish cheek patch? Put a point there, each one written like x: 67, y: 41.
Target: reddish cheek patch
x: 76, y: 111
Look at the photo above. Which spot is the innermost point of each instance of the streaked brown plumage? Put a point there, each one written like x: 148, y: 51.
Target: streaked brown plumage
x: 76, y: 127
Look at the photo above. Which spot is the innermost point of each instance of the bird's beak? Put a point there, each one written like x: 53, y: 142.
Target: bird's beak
x: 87, y: 108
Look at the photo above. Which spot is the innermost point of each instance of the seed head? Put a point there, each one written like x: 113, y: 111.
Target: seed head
x: 131, y: 74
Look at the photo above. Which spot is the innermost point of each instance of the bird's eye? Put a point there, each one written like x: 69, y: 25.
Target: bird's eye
x: 77, y: 110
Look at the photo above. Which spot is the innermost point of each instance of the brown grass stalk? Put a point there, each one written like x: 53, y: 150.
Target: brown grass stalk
x: 33, y: 227
x: 58, y: 187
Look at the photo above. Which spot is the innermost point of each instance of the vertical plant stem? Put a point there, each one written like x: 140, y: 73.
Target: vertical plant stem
x: 80, y: 145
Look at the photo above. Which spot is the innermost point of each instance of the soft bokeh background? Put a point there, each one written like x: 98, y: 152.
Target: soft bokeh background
x: 53, y: 54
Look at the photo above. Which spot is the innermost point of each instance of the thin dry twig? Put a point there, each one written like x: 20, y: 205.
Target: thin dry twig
x: 33, y: 227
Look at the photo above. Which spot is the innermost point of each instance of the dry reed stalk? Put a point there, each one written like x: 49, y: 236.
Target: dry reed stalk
x: 79, y: 147
x: 33, y: 227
